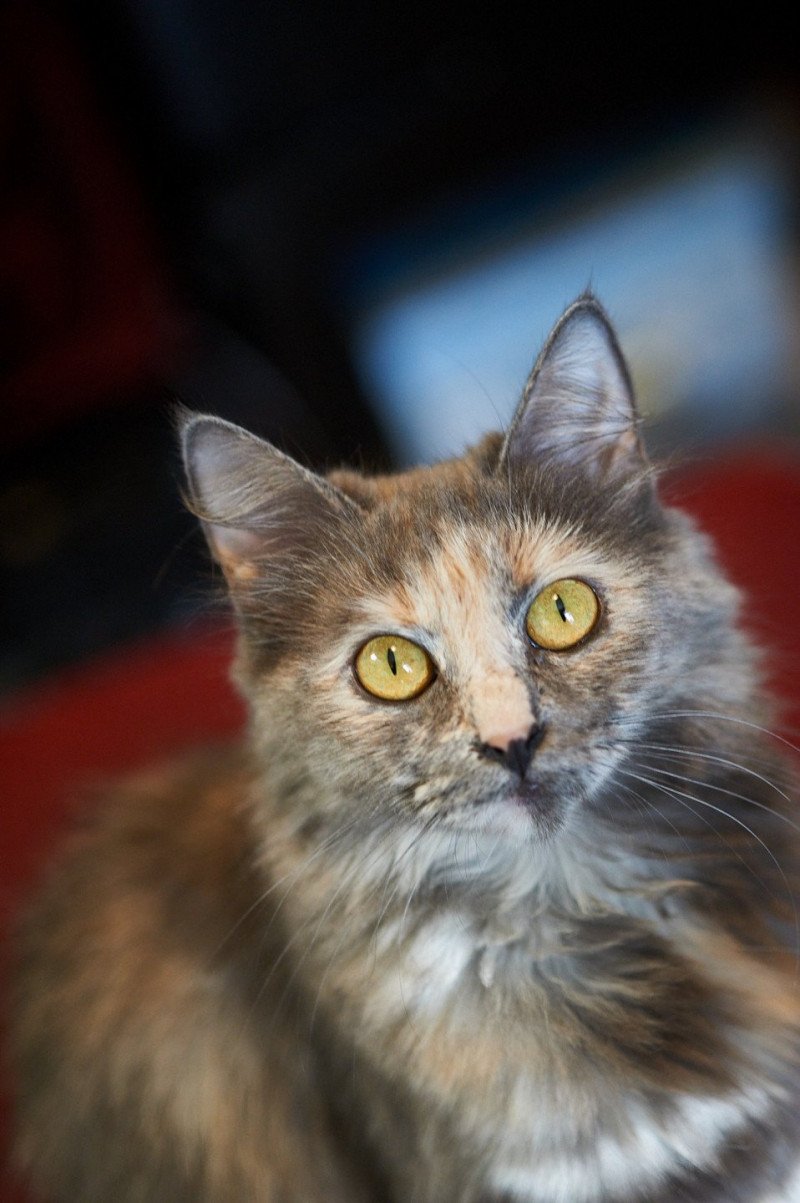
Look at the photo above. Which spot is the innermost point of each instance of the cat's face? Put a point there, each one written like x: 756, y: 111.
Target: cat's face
x: 520, y: 704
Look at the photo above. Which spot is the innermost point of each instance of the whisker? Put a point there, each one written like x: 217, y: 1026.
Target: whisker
x: 723, y: 790
x: 728, y: 718
x: 691, y: 749
x: 652, y: 806
x: 789, y: 892
x: 681, y: 795
x: 657, y: 749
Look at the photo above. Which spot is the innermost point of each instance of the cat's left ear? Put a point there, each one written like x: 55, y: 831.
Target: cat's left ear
x: 578, y: 408
x: 262, y: 513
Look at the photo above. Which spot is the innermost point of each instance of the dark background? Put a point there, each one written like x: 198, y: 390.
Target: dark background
x: 186, y: 185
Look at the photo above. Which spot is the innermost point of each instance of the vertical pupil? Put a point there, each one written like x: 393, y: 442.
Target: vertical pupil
x: 392, y: 662
x: 562, y: 609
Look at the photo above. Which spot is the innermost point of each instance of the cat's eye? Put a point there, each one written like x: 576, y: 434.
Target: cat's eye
x: 562, y: 615
x: 394, y: 668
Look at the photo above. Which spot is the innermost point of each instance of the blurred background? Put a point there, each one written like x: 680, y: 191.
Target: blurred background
x: 349, y: 227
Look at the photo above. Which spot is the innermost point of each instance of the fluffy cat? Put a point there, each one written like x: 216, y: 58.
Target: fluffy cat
x: 498, y: 904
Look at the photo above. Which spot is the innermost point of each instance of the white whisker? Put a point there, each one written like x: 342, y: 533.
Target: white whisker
x: 682, y: 796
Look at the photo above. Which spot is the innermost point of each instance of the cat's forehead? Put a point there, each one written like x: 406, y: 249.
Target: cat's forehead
x: 468, y: 555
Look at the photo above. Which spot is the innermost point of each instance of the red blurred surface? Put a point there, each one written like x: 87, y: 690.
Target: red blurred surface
x: 171, y: 693
x: 749, y: 501
x: 89, y: 724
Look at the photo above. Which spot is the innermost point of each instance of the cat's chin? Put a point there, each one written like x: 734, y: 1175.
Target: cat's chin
x: 526, y: 811
x: 537, y: 807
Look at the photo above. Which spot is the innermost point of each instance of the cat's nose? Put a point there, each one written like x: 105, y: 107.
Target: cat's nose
x: 513, y: 749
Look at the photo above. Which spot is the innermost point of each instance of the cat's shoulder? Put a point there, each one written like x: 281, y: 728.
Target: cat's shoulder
x: 160, y: 850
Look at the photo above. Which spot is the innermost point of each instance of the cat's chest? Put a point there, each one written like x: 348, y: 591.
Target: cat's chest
x: 452, y: 969
x: 487, y: 1024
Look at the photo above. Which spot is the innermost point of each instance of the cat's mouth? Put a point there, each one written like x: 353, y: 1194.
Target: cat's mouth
x: 526, y: 794
x: 524, y: 805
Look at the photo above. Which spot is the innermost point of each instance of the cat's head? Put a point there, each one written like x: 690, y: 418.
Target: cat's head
x: 470, y: 645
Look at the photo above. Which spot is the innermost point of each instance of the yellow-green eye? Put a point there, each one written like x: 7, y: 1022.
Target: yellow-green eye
x: 394, y: 668
x: 562, y: 615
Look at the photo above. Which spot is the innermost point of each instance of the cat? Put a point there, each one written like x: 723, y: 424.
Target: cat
x: 498, y: 900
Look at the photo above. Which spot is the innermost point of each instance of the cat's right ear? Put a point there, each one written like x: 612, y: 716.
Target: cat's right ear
x: 258, y: 507
x: 578, y: 410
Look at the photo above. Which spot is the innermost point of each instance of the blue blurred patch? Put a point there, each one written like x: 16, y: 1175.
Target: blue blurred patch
x: 690, y: 254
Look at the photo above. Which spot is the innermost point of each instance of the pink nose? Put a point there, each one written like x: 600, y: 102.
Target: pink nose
x: 502, y: 739
x: 513, y: 749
